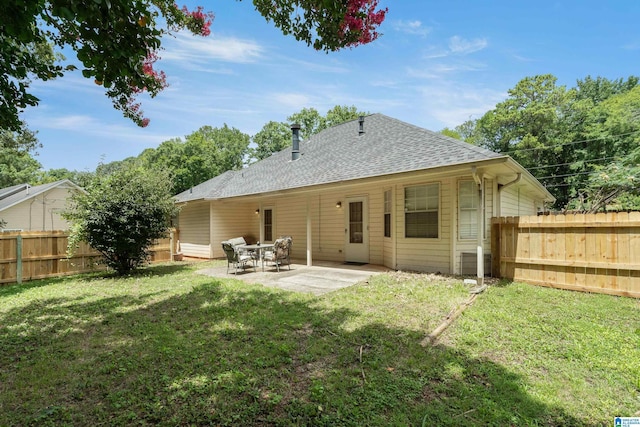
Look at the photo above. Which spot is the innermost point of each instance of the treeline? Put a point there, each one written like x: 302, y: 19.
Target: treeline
x: 189, y: 161
x: 582, y: 143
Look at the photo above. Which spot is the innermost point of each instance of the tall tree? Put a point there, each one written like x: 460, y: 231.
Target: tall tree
x: 81, y: 178
x: 310, y: 121
x: 563, y: 135
x: 614, y: 133
x: 275, y: 136
x: 528, y: 125
x: 117, y: 41
x: 203, y: 155
x: 17, y: 166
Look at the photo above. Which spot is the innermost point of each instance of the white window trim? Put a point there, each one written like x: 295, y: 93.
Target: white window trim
x: 474, y: 210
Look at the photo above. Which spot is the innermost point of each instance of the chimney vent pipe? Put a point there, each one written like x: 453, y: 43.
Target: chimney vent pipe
x: 361, y: 122
x: 295, y: 141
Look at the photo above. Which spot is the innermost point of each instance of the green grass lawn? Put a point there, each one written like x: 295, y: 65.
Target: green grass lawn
x: 171, y: 347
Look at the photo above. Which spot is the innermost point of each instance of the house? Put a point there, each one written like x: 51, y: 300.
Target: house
x: 36, y: 208
x: 373, y: 190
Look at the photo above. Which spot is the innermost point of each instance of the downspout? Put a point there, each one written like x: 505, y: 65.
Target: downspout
x: 510, y: 183
x: 479, y: 180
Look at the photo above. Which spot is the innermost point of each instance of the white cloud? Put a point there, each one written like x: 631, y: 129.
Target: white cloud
x: 411, y: 27
x: 454, y: 103
x: 192, y: 49
x: 441, y: 70
x: 296, y: 101
x: 460, y: 46
x: 90, y: 126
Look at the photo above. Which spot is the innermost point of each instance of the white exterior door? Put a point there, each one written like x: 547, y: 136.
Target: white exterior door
x: 357, y: 230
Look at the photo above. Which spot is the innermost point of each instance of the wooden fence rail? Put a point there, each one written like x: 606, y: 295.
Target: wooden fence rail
x: 585, y: 252
x: 40, y: 254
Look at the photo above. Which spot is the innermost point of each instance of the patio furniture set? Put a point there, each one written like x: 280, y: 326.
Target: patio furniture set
x: 240, y: 254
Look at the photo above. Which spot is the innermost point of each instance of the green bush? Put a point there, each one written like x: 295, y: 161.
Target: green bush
x: 121, y: 215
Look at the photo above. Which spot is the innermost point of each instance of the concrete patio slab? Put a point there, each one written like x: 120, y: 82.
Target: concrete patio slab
x: 318, y: 279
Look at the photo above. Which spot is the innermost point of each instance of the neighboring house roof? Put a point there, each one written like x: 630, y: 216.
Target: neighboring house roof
x: 11, y: 196
x: 387, y: 146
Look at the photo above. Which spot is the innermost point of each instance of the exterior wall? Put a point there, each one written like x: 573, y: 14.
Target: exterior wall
x: 470, y: 245
x: 420, y: 254
x: 232, y: 219
x: 39, y: 213
x: 388, y: 243
x: 515, y: 202
x: 193, y: 223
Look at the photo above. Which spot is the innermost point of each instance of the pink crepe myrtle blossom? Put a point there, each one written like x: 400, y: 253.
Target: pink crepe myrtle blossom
x: 196, y: 21
x: 363, y: 19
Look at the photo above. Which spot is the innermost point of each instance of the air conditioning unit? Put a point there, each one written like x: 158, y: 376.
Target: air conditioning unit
x: 469, y: 264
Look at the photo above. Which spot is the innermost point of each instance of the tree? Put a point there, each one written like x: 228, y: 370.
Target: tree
x: 310, y: 121
x: 203, y: 154
x: 275, y: 136
x: 117, y: 41
x: 451, y: 133
x: 121, y: 215
x: 325, y: 25
x: 578, y: 142
x: 17, y: 166
x: 81, y: 178
x: 614, y: 131
x: 529, y: 126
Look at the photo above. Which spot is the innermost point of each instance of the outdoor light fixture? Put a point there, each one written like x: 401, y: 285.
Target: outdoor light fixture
x: 338, y: 205
x: 257, y: 211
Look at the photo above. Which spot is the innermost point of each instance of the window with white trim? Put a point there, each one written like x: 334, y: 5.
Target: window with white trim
x: 421, y: 211
x: 467, y: 210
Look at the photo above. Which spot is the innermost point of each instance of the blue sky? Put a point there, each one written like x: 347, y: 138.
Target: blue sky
x: 437, y: 64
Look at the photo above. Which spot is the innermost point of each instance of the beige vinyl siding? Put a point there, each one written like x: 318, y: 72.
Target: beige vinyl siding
x: 376, y: 225
x: 515, y: 202
x: 290, y: 219
x: 194, y: 230
x: 233, y: 219
x: 470, y: 245
x: 388, y: 246
x: 328, y: 227
x: 39, y: 213
x: 425, y: 254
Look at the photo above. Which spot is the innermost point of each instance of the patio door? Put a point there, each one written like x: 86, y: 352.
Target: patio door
x: 357, y: 230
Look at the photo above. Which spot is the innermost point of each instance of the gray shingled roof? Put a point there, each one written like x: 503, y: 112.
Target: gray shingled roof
x: 388, y: 146
x: 10, y: 196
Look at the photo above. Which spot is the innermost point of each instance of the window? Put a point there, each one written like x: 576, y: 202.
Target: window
x: 421, y: 211
x: 467, y: 210
x: 268, y: 225
x: 387, y: 213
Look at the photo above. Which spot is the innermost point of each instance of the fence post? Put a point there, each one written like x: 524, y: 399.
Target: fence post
x: 495, y: 247
x: 19, y: 259
x: 171, y: 243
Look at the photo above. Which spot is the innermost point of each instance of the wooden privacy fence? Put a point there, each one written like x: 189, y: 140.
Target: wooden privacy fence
x: 40, y: 254
x: 584, y: 252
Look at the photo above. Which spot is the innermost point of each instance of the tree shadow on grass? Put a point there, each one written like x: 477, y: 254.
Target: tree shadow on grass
x: 149, y: 271
x: 247, y: 356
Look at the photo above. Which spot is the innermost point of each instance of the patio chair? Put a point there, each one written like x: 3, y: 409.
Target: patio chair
x: 281, y: 251
x: 236, y: 258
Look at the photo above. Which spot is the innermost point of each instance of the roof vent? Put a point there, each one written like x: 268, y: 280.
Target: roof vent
x: 361, y: 122
x: 295, y: 141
